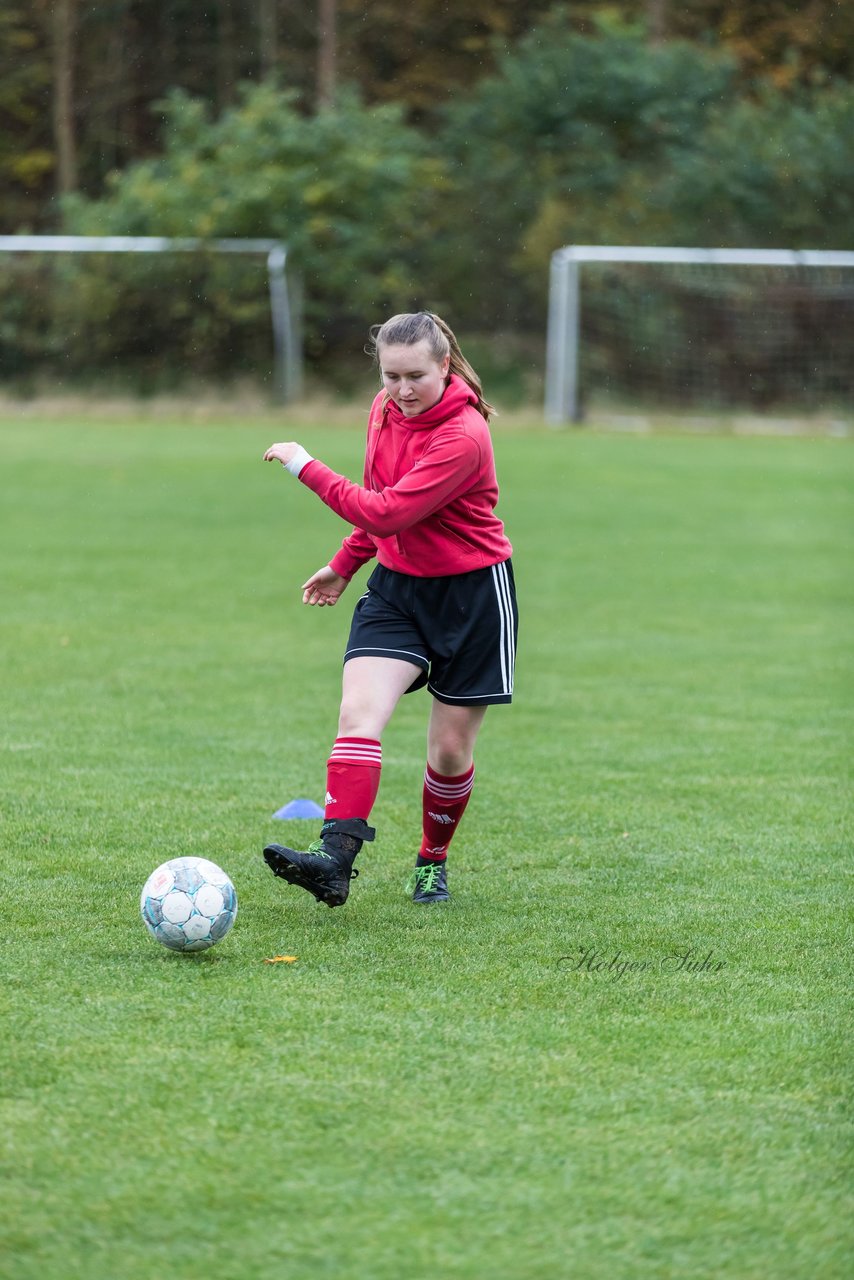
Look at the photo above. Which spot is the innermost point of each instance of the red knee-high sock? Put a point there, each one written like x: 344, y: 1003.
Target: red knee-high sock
x: 353, y: 777
x: 444, y: 800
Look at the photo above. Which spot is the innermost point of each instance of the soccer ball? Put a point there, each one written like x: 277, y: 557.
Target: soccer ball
x: 188, y: 904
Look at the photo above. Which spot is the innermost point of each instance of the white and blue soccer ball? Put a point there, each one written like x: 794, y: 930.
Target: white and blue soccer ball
x: 188, y: 904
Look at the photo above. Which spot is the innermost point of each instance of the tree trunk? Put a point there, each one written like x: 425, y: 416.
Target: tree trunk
x: 65, y: 140
x: 656, y: 20
x: 268, y: 37
x: 326, y: 53
x: 226, y: 67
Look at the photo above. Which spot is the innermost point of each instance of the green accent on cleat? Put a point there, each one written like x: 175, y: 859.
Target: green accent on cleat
x: 429, y: 883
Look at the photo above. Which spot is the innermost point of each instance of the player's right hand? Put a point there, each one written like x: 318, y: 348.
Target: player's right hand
x: 323, y: 587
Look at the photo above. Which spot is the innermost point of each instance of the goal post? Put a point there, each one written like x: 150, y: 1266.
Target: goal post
x: 578, y: 314
x: 284, y: 319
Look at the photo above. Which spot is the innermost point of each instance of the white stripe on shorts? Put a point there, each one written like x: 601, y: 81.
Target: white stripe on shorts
x: 374, y: 650
x: 506, y: 639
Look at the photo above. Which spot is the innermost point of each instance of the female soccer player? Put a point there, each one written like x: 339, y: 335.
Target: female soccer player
x: 439, y: 609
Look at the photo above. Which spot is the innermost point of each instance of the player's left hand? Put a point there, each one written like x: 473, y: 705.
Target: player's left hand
x: 281, y: 452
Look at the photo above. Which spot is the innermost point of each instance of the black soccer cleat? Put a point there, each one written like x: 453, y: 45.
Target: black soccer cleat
x: 429, y: 883
x: 326, y: 868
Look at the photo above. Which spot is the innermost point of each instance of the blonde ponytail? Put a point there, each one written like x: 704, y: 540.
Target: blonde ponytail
x: 460, y: 366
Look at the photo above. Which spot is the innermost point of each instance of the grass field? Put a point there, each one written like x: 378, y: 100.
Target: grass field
x: 453, y: 1091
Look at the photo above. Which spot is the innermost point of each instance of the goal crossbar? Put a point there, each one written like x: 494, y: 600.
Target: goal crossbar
x: 286, y: 343
x: 562, y: 399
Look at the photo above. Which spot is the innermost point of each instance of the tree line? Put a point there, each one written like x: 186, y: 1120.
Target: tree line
x: 81, y: 83
x: 429, y: 155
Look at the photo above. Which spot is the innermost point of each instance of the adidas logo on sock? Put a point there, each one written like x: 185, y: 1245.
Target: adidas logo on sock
x: 441, y: 817
x: 330, y: 799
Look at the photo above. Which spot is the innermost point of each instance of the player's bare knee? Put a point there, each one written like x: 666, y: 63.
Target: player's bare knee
x: 450, y: 753
x: 354, y: 721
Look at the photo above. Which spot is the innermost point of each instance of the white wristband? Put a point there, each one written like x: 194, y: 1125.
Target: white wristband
x: 300, y: 459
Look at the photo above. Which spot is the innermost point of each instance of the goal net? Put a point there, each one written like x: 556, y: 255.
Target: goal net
x: 143, y: 303
x: 705, y: 329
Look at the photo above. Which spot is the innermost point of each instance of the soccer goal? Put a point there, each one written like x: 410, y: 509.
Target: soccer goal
x: 710, y: 328
x: 284, y: 309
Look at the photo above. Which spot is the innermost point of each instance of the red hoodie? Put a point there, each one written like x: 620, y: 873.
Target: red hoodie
x: 427, y: 507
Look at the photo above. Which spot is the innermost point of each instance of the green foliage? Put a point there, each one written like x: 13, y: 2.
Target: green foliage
x: 600, y: 137
x: 26, y: 152
x: 123, y: 56
x: 774, y: 172
x: 606, y: 139
x: 346, y: 189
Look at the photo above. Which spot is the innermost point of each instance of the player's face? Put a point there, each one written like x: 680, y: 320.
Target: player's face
x: 412, y: 377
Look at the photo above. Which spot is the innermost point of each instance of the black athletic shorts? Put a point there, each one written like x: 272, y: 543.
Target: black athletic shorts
x: 461, y: 630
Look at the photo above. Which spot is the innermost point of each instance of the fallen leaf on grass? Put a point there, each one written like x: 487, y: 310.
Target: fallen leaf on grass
x: 281, y: 959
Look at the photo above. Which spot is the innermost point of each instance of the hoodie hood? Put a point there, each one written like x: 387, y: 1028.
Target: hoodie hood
x: 457, y: 395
